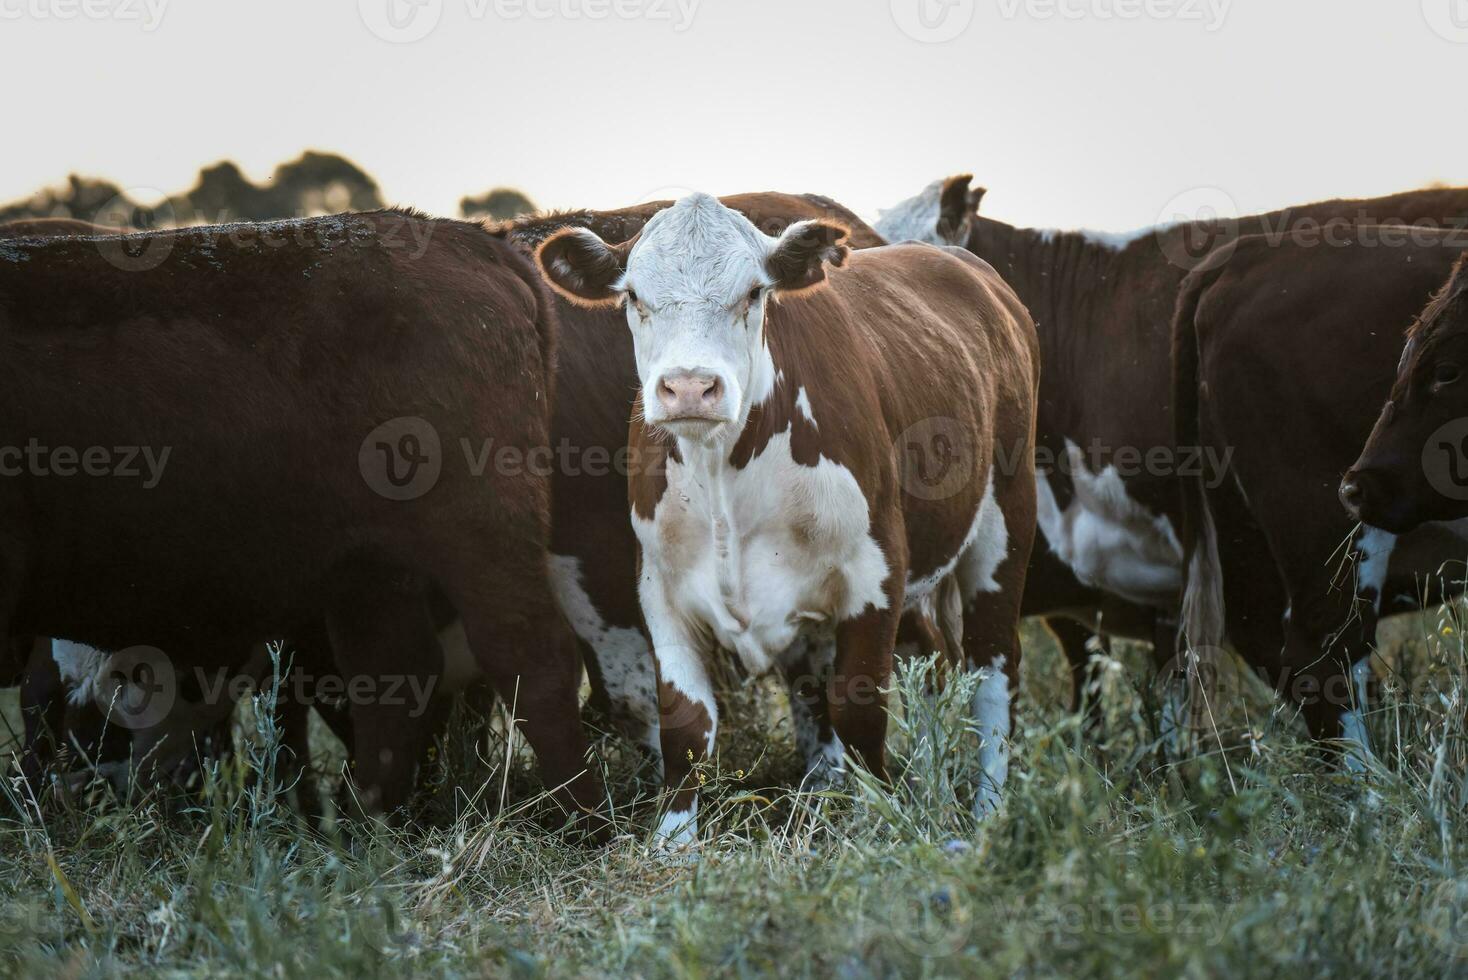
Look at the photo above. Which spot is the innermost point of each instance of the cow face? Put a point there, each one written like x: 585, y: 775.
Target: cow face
x: 1415, y: 465
x: 941, y: 214
x: 695, y: 285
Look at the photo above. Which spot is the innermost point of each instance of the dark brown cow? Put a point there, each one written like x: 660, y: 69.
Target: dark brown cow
x: 1412, y: 470
x: 1283, y: 349
x: 259, y: 358
x: 1110, y: 507
x: 776, y: 494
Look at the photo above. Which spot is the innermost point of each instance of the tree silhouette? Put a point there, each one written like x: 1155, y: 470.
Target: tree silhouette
x: 501, y: 204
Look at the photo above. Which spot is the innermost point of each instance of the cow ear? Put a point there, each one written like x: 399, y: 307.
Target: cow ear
x: 798, y: 259
x: 957, y: 202
x: 582, y: 267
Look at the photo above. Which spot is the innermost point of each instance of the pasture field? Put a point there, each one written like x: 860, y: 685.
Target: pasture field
x: 1262, y: 861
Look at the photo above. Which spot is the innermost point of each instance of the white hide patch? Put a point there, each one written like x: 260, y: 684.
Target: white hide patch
x: 752, y: 556
x: 1374, y: 555
x: 622, y: 653
x: 984, y: 549
x: 802, y: 403
x: 1110, y: 541
x: 678, y: 830
x: 82, y: 669
x: 991, y: 718
x: 1359, y: 757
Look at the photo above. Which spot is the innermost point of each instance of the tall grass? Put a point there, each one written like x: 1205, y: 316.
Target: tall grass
x: 1104, y: 860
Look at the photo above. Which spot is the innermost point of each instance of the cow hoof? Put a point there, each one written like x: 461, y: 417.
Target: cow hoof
x: 677, y: 834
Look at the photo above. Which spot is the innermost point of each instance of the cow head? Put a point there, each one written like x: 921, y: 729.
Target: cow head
x: 940, y: 215
x: 694, y: 285
x: 1415, y: 464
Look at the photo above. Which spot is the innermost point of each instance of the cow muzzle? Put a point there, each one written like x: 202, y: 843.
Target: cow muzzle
x: 690, y: 396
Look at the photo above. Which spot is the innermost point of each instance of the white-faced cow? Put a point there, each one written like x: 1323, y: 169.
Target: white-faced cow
x: 768, y: 492
x: 1112, y: 471
x: 295, y: 373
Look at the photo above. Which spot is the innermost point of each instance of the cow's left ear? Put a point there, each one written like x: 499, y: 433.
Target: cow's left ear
x: 582, y: 267
x: 957, y: 203
x: 799, y: 257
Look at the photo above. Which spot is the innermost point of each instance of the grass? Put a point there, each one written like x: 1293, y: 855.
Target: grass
x: 1105, y: 860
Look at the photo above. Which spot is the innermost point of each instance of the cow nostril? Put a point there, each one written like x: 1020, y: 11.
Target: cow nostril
x: 713, y: 392
x: 666, y: 394
x: 1350, y: 492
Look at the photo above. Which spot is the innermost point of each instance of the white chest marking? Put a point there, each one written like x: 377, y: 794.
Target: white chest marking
x: 752, y: 556
x: 1109, y: 540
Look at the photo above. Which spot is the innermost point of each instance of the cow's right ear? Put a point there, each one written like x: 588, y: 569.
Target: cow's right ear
x: 582, y: 267
x: 957, y: 202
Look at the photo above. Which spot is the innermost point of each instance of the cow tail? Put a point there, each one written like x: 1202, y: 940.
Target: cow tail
x: 1201, y: 623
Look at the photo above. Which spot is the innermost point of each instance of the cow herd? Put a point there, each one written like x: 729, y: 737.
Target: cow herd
x: 421, y: 452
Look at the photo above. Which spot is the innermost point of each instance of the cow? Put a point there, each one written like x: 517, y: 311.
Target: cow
x: 1281, y: 355
x: 1410, y: 472
x: 311, y: 383
x: 594, y: 561
x: 779, y: 492
x: 1112, y: 476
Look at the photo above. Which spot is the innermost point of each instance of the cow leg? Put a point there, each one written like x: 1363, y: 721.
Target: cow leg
x: 1328, y: 650
x: 43, y: 714
x: 856, y: 702
x: 806, y: 667
x: 1078, y: 642
x: 688, y: 717
x: 388, y: 654
x: 991, y: 577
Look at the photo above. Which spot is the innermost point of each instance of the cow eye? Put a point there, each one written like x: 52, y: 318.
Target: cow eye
x: 632, y: 297
x: 754, y: 295
x: 1445, y: 374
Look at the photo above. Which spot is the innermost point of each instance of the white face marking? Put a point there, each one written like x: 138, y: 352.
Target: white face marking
x: 915, y: 219
x: 692, y: 272
x: 1109, y: 540
x: 991, y: 718
x: 1374, y: 553
x: 754, y: 556
x: 622, y: 654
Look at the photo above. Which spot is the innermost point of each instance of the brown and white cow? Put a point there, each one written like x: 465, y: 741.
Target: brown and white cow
x: 1412, y: 470
x: 768, y: 494
x: 1103, y: 305
x: 594, y: 561
x: 1283, y: 351
x: 261, y: 357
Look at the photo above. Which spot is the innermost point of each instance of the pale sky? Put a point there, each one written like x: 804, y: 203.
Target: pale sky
x: 1074, y: 113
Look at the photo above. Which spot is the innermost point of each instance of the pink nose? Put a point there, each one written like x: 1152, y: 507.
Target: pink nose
x: 685, y: 394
